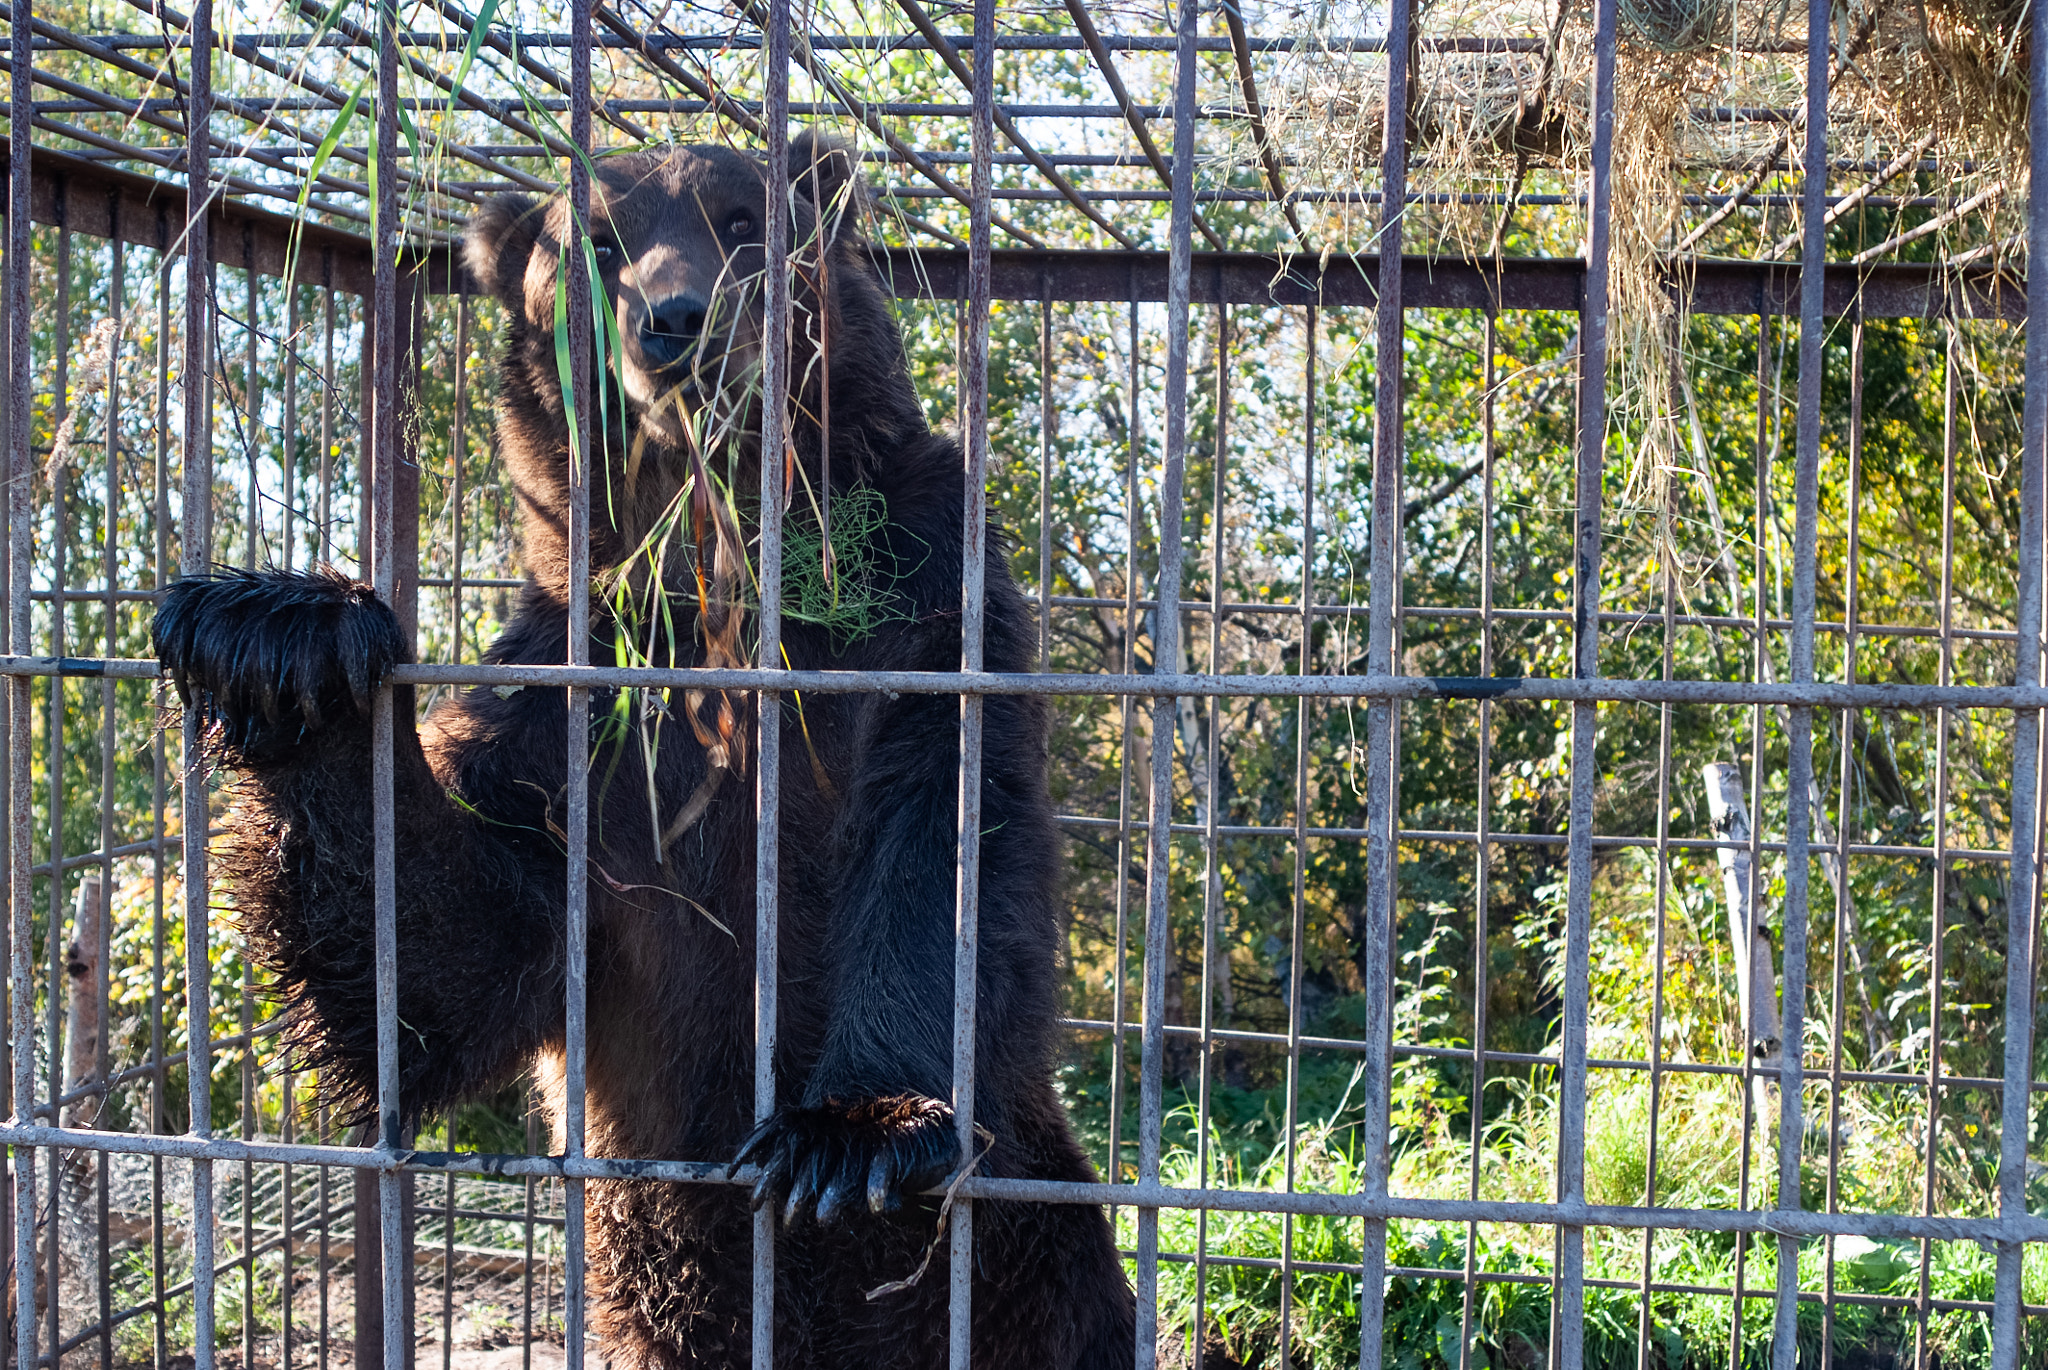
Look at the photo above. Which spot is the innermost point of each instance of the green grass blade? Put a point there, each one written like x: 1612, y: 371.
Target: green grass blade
x: 320, y: 156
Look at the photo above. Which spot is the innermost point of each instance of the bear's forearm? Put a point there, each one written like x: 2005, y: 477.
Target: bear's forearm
x: 478, y: 941
x: 893, y: 927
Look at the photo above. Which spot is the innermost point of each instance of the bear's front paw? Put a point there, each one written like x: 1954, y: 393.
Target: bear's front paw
x: 267, y: 655
x: 823, y: 1159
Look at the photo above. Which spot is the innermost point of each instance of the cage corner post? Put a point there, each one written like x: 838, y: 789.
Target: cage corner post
x: 1568, y: 1316
x: 2008, y: 1325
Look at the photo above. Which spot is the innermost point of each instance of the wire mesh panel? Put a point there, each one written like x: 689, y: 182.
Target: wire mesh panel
x: 1520, y: 530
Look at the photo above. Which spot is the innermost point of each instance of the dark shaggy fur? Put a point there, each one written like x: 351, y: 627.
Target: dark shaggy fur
x: 283, y: 668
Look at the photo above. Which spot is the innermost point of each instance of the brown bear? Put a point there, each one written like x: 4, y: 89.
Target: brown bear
x: 281, y: 667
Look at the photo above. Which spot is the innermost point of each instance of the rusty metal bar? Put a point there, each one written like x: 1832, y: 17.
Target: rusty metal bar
x: 973, y: 374
x: 159, y: 792
x: 382, y: 1322
x: 20, y: 529
x: 1382, y: 722
x: 1269, y: 157
x: 1845, y: 782
x: 251, y: 422
x: 1799, y: 720
x: 1045, y: 422
x: 1592, y: 446
x: 1166, y: 650
x: 950, y: 55
x: 1599, y: 690
x: 53, y: 933
x: 103, y: 952
x: 1119, y: 990
x: 1482, y: 823
x: 1297, y: 936
x: 1106, y: 64
x: 775, y: 441
x: 196, y: 551
x: 2023, y: 891
x: 585, y: 447
x: 288, y: 363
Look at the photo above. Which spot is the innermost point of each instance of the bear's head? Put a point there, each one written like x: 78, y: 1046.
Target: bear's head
x: 679, y: 245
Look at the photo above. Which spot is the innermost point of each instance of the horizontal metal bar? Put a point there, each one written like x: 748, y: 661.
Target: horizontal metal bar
x: 168, y: 842
x: 310, y: 1226
x: 148, y: 1068
x: 880, y: 42
x: 1282, y: 609
x: 825, y: 109
x: 1258, y: 195
x: 1526, y: 839
x: 1482, y: 1276
x: 2027, y: 1228
x: 1626, y: 618
x: 1818, y: 694
x: 1531, y: 1058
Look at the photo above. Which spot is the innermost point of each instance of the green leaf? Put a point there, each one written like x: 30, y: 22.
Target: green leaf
x: 321, y: 154
x: 564, y: 370
x: 469, y: 51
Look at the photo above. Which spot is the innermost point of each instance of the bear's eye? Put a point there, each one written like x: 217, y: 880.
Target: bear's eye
x: 605, y: 252
x: 740, y: 225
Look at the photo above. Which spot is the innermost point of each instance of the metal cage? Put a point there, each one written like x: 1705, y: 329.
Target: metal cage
x: 302, y: 430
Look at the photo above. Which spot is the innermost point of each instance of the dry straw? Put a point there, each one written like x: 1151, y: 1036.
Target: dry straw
x: 1927, y: 122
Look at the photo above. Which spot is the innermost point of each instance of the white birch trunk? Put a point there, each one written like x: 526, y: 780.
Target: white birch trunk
x: 1750, y: 940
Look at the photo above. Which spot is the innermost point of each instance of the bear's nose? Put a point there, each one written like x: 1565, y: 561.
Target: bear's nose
x: 671, y: 329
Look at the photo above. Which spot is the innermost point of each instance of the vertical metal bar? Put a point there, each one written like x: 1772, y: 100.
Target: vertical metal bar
x: 526, y: 1265
x: 775, y: 442
x: 322, y: 1258
x: 53, y: 941
x: 110, y: 575
x: 1167, y: 656
x: 159, y: 798
x: 1851, y: 584
x: 583, y: 448
x: 252, y: 447
x: 1382, y: 816
x: 455, y: 460
x: 1592, y: 445
x: 1799, y: 720
x: 1212, y: 874
x: 1482, y: 825
x: 1297, y: 938
x: 326, y: 506
x: 195, y: 551
x: 447, y: 1261
x: 288, y: 1130
x: 288, y: 449
x: 1127, y: 708
x: 1767, y: 415
x: 20, y: 516
x: 1045, y: 412
x: 1951, y: 406
x: 382, y: 456
x: 2015, y: 1115
x: 1669, y: 593
x: 974, y: 341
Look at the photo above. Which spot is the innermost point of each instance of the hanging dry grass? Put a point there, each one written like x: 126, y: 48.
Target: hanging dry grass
x: 1927, y: 132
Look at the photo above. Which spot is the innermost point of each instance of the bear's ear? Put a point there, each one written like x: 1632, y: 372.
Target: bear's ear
x: 499, y: 241
x: 825, y: 172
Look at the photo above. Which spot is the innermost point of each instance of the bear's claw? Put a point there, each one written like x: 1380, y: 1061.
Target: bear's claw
x: 819, y: 1161
x: 266, y: 655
